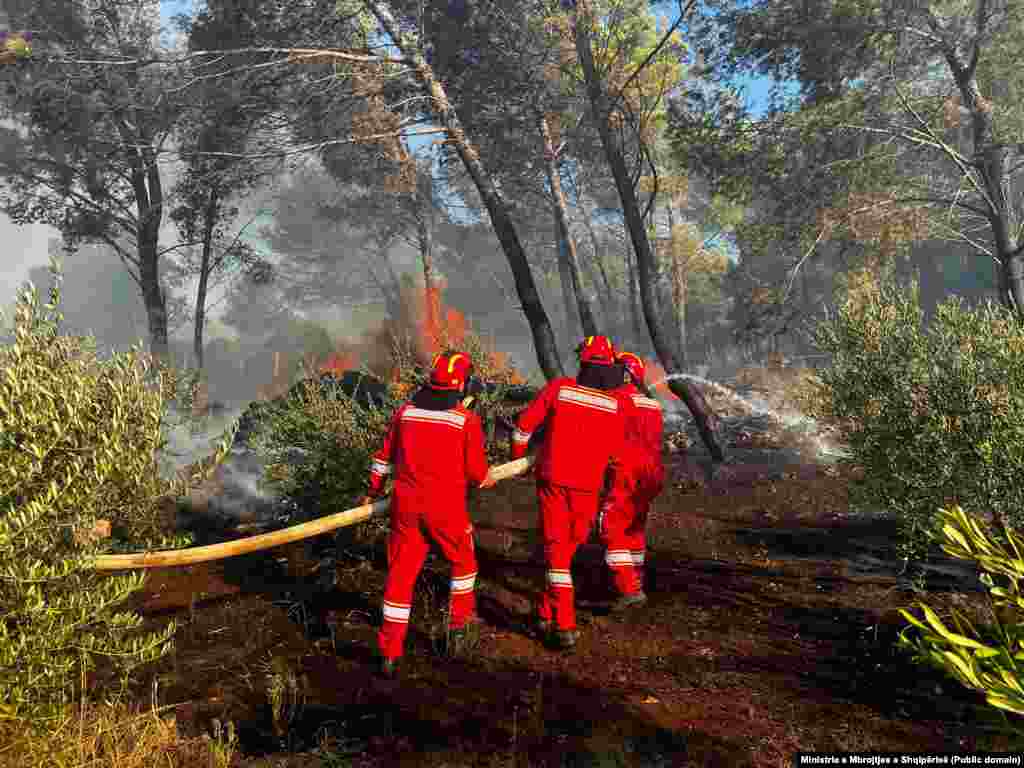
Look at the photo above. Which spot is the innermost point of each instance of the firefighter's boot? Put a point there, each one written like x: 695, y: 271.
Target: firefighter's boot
x: 564, y: 639
x: 624, y: 602
x: 389, y: 667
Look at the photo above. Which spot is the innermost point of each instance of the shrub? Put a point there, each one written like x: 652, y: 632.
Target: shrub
x: 338, y: 437
x: 79, y: 442
x: 933, y: 417
x: 987, y: 659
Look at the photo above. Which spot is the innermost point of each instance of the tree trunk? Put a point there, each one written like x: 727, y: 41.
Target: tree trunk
x: 679, y: 279
x: 209, y: 220
x: 680, y: 275
x: 683, y: 388
x: 567, y: 245
x: 565, y: 281
x: 145, y: 180
x: 598, y: 269
x: 991, y: 157
x: 634, y: 300
x: 153, y: 297
x: 543, y: 336
x: 425, y: 238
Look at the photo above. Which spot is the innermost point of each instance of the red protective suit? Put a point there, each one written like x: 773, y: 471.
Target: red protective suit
x: 638, y: 479
x: 434, y: 456
x: 585, y: 431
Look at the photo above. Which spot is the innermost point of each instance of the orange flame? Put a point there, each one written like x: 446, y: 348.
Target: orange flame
x: 438, y: 326
x: 338, y: 362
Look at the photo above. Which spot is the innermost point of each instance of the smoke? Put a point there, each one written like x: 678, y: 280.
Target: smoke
x: 239, y: 495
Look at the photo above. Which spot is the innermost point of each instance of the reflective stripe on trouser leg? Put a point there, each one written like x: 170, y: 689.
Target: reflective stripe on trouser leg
x: 391, y: 638
x: 619, y: 512
x: 636, y: 536
x: 453, y: 534
x: 561, y: 597
x: 566, y: 518
x: 462, y: 602
x: 624, y: 576
x: 407, y: 549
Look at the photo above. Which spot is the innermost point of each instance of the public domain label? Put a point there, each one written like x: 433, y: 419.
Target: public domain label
x: 807, y: 759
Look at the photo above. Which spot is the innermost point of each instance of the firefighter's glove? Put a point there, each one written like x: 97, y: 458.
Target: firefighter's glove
x: 367, y: 500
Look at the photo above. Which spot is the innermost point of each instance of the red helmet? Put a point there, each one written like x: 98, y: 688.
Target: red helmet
x: 634, y: 366
x: 450, y: 371
x: 597, y: 350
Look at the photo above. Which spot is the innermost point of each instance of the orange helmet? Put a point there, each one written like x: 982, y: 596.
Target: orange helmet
x: 597, y: 350
x: 634, y: 366
x: 450, y: 371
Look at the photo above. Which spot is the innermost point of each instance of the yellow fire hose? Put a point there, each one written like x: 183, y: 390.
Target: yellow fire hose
x: 210, y: 552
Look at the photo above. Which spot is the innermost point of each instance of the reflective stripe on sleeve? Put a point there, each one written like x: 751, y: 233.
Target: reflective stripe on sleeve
x: 560, y: 579
x: 380, y: 467
x: 521, y: 437
x: 396, y: 612
x: 463, y: 584
x: 638, y: 556
x: 646, y: 402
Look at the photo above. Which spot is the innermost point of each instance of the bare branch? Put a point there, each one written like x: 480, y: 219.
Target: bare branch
x: 164, y: 251
x: 951, y: 153
x: 311, y: 147
x: 800, y: 263
x: 294, y: 56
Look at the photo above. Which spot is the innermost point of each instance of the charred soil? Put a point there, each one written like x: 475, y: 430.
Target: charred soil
x: 770, y: 629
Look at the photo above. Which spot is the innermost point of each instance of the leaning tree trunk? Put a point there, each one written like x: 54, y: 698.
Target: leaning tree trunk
x: 680, y: 277
x: 567, y: 245
x: 632, y: 298
x: 543, y: 336
x: 145, y: 180
x: 683, y: 388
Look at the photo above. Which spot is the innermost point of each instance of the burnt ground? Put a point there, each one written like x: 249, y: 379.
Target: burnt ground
x: 770, y: 629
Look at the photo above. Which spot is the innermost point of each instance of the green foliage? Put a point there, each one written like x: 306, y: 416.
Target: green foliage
x: 987, y: 658
x: 932, y: 417
x: 79, y: 444
x: 339, y: 437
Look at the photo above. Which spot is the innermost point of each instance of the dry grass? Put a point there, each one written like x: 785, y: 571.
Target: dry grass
x: 111, y: 735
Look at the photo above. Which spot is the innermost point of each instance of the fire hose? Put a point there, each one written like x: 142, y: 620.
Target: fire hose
x: 193, y: 555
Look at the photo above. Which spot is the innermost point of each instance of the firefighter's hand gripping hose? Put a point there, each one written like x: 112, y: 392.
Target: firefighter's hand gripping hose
x: 249, y: 544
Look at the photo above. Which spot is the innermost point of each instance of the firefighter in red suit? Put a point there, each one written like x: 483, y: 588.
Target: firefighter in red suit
x: 638, y: 480
x: 434, y: 450
x: 585, y: 421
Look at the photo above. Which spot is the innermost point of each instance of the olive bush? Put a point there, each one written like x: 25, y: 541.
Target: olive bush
x: 79, y: 445
x: 932, y: 417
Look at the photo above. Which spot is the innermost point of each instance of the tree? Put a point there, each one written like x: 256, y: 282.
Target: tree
x: 501, y: 67
x: 609, y: 113
x: 222, y: 124
x: 83, y: 138
x: 543, y: 337
x: 909, y: 131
